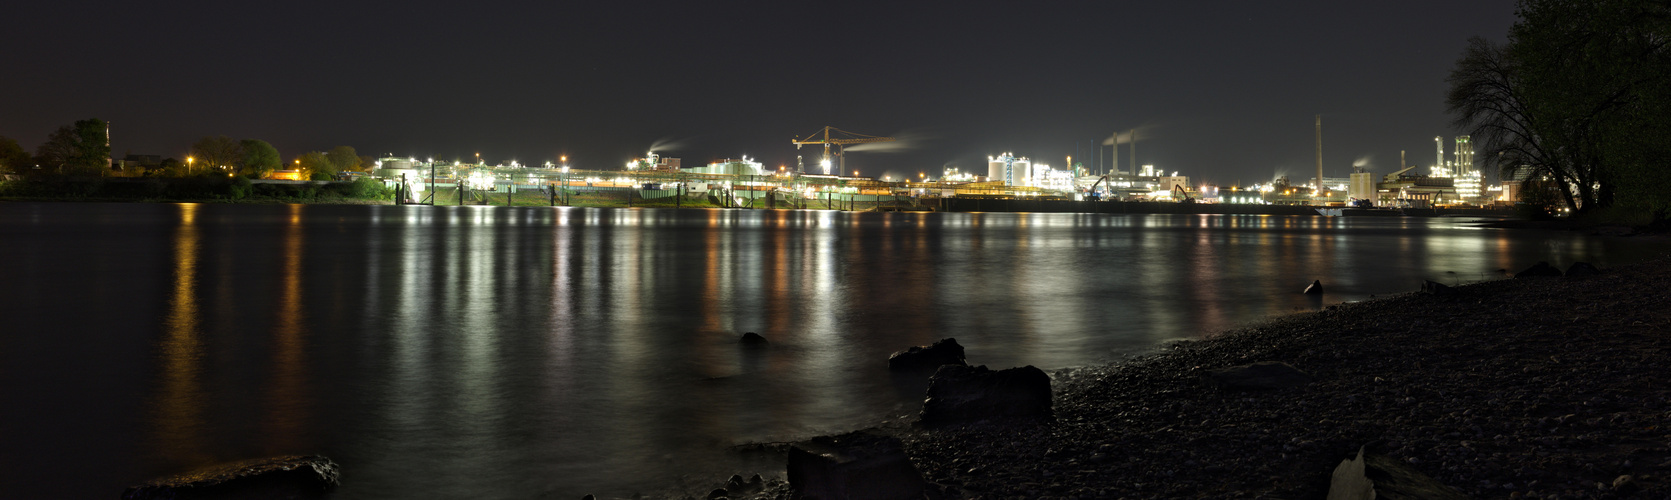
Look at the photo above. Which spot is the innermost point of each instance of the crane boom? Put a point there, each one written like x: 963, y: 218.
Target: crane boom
x: 840, y: 138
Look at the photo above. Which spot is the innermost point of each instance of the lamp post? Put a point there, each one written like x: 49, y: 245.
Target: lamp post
x: 564, y: 178
x: 189, y: 161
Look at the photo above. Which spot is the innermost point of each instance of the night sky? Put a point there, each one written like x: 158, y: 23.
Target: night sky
x: 1224, y: 92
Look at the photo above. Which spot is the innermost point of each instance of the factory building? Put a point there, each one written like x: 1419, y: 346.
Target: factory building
x: 653, y: 163
x: 745, y: 166
x: 1467, y: 181
x: 1361, y: 185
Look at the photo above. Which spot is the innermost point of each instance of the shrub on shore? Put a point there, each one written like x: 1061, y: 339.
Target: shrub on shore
x: 195, y: 188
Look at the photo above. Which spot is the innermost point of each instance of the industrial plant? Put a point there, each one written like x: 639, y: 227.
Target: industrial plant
x: 1451, y: 181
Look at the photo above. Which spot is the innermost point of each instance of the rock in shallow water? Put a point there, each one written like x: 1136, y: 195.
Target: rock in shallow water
x: 1582, y: 269
x: 1540, y: 269
x: 958, y: 393
x: 926, y: 360
x: 283, y: 477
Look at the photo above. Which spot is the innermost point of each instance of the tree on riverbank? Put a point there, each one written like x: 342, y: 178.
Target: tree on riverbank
x: 259, y: 158
x: 13, y: 159
x: 316, y: 166
x: 81, y: 149
x: 216, y: 151
x: 1577, y: 98
x: 344, y: 159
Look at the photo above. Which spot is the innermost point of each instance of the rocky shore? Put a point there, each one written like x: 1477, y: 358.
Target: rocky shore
x: 1549, y: 387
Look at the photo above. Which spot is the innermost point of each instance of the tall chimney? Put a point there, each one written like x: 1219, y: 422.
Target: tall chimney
x: 1319, y: 155
x: 1115, y: 156
x: 1116, y: 153
x: 1439, y: 151
x: 1134, y: 152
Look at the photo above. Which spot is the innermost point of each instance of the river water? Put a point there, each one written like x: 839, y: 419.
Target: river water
x: 496, y: 352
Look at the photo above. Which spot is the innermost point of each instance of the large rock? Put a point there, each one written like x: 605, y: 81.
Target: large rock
x: 1436, y: 288
x: 926, y: 360
x: 284, y: 477
x: 752, y: 339
x: 1373, y: 476
x: 1261, y: 376
x: 856, y: 465
x: 960, y: 392
x: 1539, y: 269
x: 1582, y: 269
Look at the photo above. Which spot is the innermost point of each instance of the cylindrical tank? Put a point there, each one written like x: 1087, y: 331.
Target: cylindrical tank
x: 995, y: 169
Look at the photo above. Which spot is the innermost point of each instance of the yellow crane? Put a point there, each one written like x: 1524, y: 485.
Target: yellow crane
x: 840, y: 138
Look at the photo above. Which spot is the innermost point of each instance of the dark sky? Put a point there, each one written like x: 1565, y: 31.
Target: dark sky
x: 1225, y: 91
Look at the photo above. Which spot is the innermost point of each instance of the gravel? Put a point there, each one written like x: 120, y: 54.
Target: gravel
x: 1519, y: 388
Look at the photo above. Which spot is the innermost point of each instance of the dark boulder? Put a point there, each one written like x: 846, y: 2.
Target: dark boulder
x: 961, y: 392
x: 284, y: 477
x: 1372, y: 476
x: 1261, y: 376
x: 926, y: 360
x: 736, y: 485
x: 752, y: 338
x: 1316, y: 288
x: 1539, y: 269
x: 1582, y: 269
x: 853, y: 465
x: 1436, y: 288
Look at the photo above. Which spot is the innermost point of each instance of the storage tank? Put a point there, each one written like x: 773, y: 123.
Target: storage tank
x: 995, y: 168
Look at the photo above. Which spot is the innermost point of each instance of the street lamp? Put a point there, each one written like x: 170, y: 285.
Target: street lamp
x: 189, y: 160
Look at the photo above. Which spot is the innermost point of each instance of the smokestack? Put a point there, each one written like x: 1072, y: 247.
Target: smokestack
x: 1133, y: 151
x: 1116, y: 154
x: 1401, y: 159
x: 1319, y: 155
x: 1439, y: 151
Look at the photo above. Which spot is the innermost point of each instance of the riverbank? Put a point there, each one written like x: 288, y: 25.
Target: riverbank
x: 1535, y: 388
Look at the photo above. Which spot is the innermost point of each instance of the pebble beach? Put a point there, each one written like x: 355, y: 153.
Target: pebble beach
x: 1541, y: 387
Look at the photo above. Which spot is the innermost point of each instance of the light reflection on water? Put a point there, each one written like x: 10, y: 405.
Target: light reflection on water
x: 492, y: 352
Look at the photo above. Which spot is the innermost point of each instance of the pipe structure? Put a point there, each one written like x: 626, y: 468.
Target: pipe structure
x: 1319, y: 155
x: 1133, y: 151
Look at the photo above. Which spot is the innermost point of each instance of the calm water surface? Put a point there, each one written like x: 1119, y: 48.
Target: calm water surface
x: 512, y: 353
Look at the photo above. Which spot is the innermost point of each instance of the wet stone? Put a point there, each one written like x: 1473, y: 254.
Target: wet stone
x: 927, y: 359
x: 853, y: 465
x: 960, y: 393
x: 282, y: 477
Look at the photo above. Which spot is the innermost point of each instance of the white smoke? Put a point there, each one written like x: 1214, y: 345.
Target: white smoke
x: 1142, y: 132
x: 1364, y: 162
x: 904, y: 141
x: 670, y: 144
